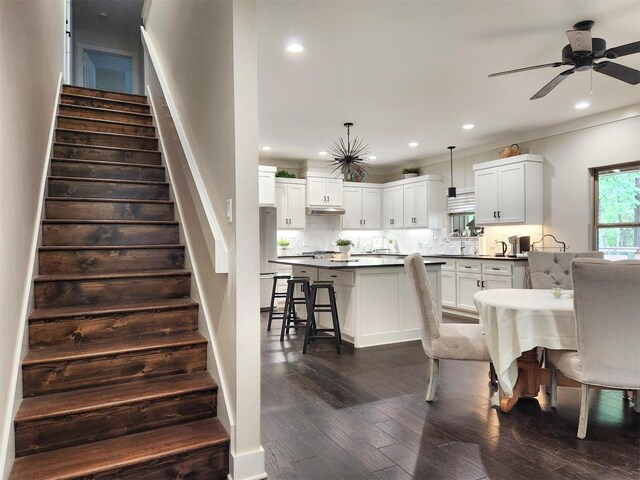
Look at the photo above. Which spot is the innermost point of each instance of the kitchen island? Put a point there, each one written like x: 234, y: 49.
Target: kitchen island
x: 375, y: 303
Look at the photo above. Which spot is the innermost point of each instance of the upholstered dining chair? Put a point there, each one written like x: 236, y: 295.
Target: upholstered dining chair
x: 553, y: 269
x: 448, y: 341
x: 606, y: 303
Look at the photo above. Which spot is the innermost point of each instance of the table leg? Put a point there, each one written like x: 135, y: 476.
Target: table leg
x: 528, y: 383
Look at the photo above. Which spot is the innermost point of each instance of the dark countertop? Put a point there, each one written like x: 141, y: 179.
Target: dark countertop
x: 471, y: 257
x: 361, y: 262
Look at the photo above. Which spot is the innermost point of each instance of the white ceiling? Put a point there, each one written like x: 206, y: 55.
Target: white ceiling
x: 122, y: 16
x: 405, y: 71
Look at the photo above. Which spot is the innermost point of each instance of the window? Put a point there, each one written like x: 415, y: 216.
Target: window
x: 617, y: 210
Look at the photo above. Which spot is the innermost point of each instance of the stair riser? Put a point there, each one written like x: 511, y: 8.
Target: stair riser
x: 104, y: 103
x: 106, y: 154
x: 91, y: 189
x: 91, y: 92
x: 206, y: 464
x: 105, y: 140
x: 92, y: 426
x: 118, y: 172
x: 63, y: 376
x: 110, y: 261
x: 84, y: 112
x: 110, y: 291
x: 78, y: 210
x: 43, y: 333
x: 108, y: 234
x: 90, y: 125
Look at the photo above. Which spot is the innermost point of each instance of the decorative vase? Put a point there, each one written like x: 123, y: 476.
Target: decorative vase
x: 345, y: 250
x: 282, y: 251
x: 410, y: 175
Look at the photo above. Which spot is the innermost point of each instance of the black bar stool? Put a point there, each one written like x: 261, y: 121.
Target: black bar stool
x: 290, y: 318
x: 312, y: 330
x: 273, y: 315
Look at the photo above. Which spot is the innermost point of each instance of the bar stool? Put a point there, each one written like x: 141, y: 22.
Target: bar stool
x: 311, y: 332
x: 273, y: 315
x: 290, y: 318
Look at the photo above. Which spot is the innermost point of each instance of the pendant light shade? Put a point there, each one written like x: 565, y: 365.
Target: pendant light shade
x: 451, y: 191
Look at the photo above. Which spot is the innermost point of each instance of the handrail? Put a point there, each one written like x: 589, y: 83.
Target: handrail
x: 220, y: 254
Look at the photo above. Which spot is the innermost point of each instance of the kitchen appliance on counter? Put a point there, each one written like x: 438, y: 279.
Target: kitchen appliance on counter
x: 504, y: 249
x: 519, y: 245
x: 513, y: 245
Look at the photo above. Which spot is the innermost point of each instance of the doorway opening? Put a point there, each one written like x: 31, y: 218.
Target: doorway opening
x: 107, y: 69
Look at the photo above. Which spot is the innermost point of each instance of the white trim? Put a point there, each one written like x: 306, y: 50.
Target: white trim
x: 204, y: 299
x: 248, y: 466
x: 81, y: 47
x: 7, y: 425
x: 146, y: 6
x: 220, y: 254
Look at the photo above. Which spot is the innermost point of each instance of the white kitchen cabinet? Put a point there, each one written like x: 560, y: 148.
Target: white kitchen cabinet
x: 467, y: 285
x: 509, y: 191
x: 362, y: 207
x: 393, y: 207
x: 416, y: 209
x: 324, y: 192
x: 290, y: 204
x: 449, y: 294
x: 495, y: 281
x: 266, y: 186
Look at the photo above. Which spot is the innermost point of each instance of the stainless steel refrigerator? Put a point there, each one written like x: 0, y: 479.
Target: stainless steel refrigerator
x: 268, y: 251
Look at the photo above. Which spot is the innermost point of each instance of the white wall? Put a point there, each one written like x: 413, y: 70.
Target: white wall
x: 569, y: 151
x: 31, y: 55
x: 208, y: 53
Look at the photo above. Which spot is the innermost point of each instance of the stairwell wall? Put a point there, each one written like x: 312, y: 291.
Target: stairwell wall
x: 207, y: 51
x: 32, y: 59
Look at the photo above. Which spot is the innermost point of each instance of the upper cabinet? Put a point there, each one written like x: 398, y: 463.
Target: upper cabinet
x: 324, y: 192
x: 509, y: 191
x: 362, y: 204
x: 414, y: 203
x: 393, y: 207
x: 290, y: 203
x: 266, y: 186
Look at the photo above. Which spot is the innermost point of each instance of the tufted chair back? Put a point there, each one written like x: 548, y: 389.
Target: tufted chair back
x: 553, y: 269
x: 421, y: 290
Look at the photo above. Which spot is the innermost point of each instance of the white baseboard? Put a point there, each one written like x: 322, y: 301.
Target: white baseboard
x: 247, y: 466
x: 15, y: 395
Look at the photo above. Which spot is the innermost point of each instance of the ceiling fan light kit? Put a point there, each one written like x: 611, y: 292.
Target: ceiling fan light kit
x: 580, y: 55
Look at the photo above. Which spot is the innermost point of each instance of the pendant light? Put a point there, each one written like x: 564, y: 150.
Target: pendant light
x: 348, y: 157
x: 451, y: 191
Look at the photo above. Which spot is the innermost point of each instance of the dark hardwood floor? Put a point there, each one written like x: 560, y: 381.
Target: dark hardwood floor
x: 362, y: 415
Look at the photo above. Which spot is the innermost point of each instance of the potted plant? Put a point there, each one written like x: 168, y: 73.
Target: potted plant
x: 410, y: 172
x: 344, y: 246
x: 283, y: 245
x: 285, y: 174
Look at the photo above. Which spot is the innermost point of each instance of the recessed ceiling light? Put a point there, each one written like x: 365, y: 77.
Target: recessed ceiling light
x: 323, y: 153
x: 372, y: 157
x: 266, y: 148
x: 413, y: 144
x: 295, y: 48
x: 581, y: 105
x: 468, y: 126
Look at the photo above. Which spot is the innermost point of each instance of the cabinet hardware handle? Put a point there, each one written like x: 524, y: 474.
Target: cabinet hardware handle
x: 477, y: 283
x: 364, y: 222
x: 494, y: 214
x: 498, y: 213
x: 360, y: 222
x: 483, y: 284
x: 495, y: 268
x: 334, y: 276
x: 466, y: 266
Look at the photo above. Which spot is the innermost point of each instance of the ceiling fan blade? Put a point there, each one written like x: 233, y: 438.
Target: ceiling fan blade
x: 552, y: 84
x: 580, y: 41
x: 545, y: 65
x: 620, y: 72
x: 623, y: 50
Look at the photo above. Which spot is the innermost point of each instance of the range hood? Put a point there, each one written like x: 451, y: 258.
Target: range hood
x: 325, y: 211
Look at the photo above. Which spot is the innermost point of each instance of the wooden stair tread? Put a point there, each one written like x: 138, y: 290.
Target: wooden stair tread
x: 76, y: 401
x: 54, y: 248
x: 127, y: 222
x: 106, y: 180
x: 109, y: 200
x: 107, y: 110
x: 63, y: 353
x: 87, y: 310
x: 105, y: 133
x: 83, y: 461
x: 91, y: 97
x: 108, y: 164
x: 101, y: 120
x: 106, y: 147
x: 108, y: 276
x: 67, y: 86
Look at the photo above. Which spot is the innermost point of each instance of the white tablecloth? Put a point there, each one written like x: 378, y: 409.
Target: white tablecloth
x: 517, y: 320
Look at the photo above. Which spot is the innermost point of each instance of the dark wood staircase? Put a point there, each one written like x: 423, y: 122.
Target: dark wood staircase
x: 115, y: 383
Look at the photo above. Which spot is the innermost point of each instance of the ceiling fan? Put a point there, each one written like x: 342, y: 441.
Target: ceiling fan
x: 581, y: 53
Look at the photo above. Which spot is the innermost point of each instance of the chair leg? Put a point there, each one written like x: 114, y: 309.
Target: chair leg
x: 554, y: 386
x: 584, y: 411
x: 434, y: 367
x: 493, y: 376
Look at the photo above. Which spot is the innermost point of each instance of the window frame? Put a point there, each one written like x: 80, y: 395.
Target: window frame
x: 595, y: 171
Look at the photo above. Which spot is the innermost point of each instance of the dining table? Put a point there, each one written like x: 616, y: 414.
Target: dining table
x: 516, y: 323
